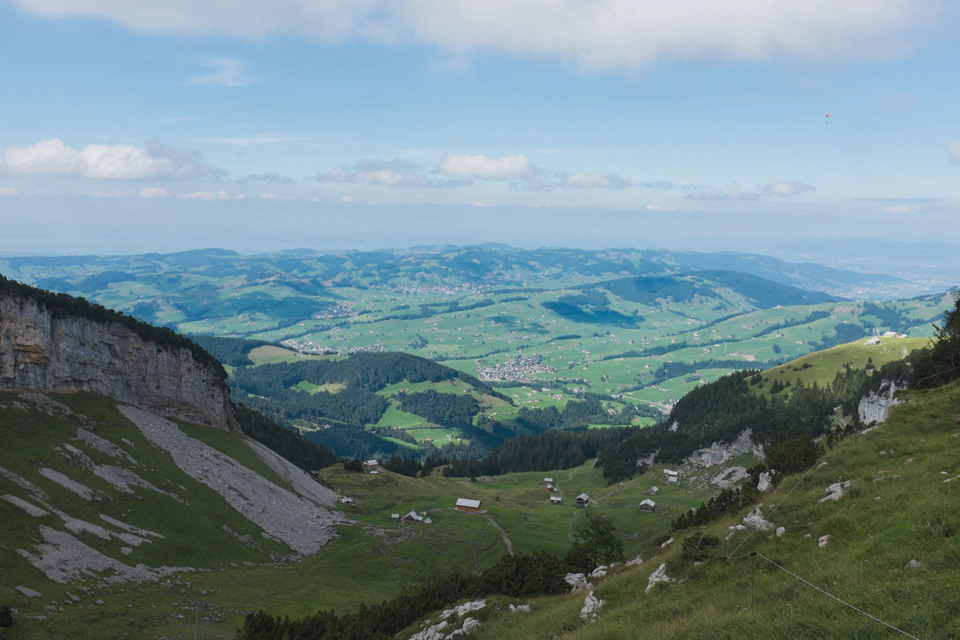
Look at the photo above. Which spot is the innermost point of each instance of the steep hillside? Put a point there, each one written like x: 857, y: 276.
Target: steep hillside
x: 52, y: 342
x: 889, y: 547
x: 96, y: 497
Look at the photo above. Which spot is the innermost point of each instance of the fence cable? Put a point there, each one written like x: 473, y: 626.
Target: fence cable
x: 827, y: 593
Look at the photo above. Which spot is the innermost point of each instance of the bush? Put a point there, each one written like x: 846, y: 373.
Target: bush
x: 353, y: 465
x: 793, y: 456
x: 698, y: 546
x: 6, y: 618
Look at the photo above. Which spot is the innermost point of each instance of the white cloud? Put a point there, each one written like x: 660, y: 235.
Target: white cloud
x: 786, y: 189
x: 736, y: 194
x: 595, y: 180
x: 657, y: 207
x: 208, y: 195
x: 392, y: 173
x: 477, y: 165
x: 121, y: 161
x: 153, y: 192
x: 10, y: 191
x: 267, y: 138
x: 953, y: 150
x: 229, y: 73
x: 596, y: 34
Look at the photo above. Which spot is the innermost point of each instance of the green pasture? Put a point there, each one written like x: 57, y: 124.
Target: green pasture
x: 824, y: 365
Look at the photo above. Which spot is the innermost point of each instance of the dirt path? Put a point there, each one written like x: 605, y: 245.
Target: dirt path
x: 503, y: 533
x: 607, y: 494
x: 576, y: 512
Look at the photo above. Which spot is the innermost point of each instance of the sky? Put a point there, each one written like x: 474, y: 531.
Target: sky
x: 132, y: 125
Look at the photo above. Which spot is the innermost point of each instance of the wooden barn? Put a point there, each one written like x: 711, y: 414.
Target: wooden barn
x: 470, y: 506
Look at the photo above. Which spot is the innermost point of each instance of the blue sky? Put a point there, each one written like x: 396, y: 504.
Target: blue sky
x: 262, y: 125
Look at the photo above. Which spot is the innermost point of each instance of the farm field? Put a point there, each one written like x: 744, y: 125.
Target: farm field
x: 613, y: 322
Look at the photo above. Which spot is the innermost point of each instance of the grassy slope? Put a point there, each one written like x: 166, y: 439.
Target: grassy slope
x: 876, y: 529
x: 374, y: 560
x: 826, y: 364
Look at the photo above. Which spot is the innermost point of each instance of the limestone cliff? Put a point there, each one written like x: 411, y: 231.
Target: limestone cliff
x: 46, y: 345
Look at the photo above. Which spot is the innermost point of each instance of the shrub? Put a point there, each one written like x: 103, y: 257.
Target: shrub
x: 698, y: 546
x: 6, y: 618
x: 353, y: 465
x: 793, y: 456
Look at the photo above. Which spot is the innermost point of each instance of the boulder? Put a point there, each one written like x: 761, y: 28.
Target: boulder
x: 781, y: 531
x: 577, y: 582
x: 764, y: 484
x: 835, y: 491
x: 822, y: 542
x: 591, y: 604
x: 635, y: 561
x: 599, y: 572
x: 755, y: 520
x: 658, y: 576
x: 30, y: 593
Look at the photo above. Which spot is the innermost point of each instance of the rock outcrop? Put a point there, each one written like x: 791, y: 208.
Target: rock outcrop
x: 875, y: 407
x: 50, y: 350
x: 719, y: 452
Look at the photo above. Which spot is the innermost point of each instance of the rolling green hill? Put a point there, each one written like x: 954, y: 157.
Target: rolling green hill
x: 651, y: 325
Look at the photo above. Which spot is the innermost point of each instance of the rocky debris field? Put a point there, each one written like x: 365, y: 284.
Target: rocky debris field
x: 296, y: 521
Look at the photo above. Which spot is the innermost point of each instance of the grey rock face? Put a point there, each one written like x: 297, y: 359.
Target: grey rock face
x: 719, y: 452
x: 43, y: 352
x: 875, y: 407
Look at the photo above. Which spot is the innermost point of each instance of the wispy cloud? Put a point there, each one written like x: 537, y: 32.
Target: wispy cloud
x: 953, y: 150
x: 266, y: 178
x: 393, y: 173
x: 229, y: 72
x: 209, y: 195
x: 166, y: 121
x: 248, y: 141
x: 153, y: 192
x: 787, y: 189
x: 593, y: 35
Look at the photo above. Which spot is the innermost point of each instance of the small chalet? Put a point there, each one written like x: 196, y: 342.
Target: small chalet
x: 583, y: 500
x: 372, y: 465
x: 547, y: 480
x: 654, y: 490
x: 471, y: 506
x: 394, y: 516
x: 672, y: 476
x: 648, y: 505
x: 413, y: 517
x: 347, y: 501
x: 556, y: 500
x: 548, y: 487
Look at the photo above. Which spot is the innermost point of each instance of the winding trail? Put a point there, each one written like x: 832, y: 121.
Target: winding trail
x: 576, y: 512
x: 503, y: 533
